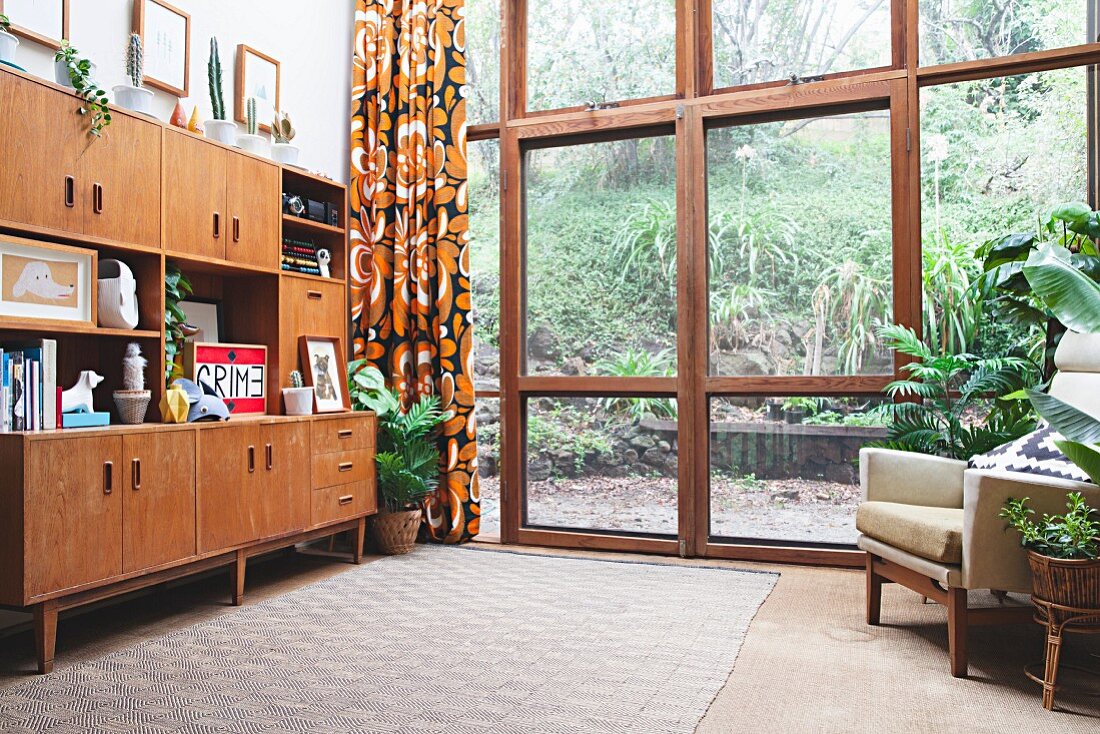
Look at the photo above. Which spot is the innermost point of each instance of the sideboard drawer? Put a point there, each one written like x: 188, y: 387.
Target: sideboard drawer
x: 339, y: 503
x: 342, y: 434
x: 345, y: 467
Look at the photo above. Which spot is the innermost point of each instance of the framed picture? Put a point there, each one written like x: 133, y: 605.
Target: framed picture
x: 257, y: 76
x: 324, y: 368
x: 41, y: 280
x: 166, y: 35
x: 206, y: 316
x: 41, y: 21
x: 236, y: 372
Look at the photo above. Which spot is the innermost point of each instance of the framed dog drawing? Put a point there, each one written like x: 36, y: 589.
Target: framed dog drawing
x: 325, y: 370
x: 45, y: 281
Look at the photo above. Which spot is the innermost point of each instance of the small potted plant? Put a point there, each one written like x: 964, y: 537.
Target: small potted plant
x: 774, y: 409
x: 133, y: 400
x: 218, y: 128
x: 78, y: 73
x: 283, y: 131
x: 252, y: 141
x: 796, y: 409
x: 134, y: 96
x: 298, y: 398
x: 8, y: 42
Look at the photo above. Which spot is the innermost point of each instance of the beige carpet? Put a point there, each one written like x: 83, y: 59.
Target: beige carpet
x: 808, y: 664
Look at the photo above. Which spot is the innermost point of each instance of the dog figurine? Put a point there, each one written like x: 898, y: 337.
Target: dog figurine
x: 78, y: 398
x: 37, y: 279
x: 324, y: 387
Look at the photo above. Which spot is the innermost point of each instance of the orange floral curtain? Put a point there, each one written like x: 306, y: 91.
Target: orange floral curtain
x: 409, y: 261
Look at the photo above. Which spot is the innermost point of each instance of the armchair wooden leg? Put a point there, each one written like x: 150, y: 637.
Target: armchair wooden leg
x: 957, y: 624
x: 45, y: 634
x: 874, y: 592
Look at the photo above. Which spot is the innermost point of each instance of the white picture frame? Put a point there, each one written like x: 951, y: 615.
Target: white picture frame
x: 46, y: 281
x: 207, y: 316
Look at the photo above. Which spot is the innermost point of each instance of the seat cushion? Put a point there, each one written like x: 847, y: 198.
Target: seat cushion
x: 934, y: 533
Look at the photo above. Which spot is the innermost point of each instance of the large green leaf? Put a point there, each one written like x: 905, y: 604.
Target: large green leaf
x: 1008, y: 248
x: 1074, y: 424
x: 1075, y: 211
x: 1083, y: 455
x: 1068, y: 293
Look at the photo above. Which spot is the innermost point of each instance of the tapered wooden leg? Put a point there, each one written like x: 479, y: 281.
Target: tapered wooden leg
x: 956, y: 631
x: 874, y: 592
x: 360, y: 539
x: 238, y: 578
x: 45, y: 634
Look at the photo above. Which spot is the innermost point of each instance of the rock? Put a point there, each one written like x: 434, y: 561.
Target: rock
x: 664, y: 446
x: 487, y: 466
x: 823, y: 496
x: 785, y: 495
x: 487, y: 412
x: 630, y: 456
x: 539, y: 470
x: 540, y: 343
x: 643, y: 442
x: 574, y: 366
x: 742, y: 364
x: 653, y: 457
x: 841, y: 474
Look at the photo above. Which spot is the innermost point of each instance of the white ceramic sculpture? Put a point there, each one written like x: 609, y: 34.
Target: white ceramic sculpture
x: 78, y: 398
x: 324, y: 257
x: 118, y: 306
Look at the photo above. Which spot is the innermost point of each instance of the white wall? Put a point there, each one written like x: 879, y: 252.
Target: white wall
x: 310, y: 38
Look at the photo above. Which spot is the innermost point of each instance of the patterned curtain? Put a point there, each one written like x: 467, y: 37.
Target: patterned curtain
x: 410, y: 263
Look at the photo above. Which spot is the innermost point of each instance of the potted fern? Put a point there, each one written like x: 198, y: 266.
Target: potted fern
x: 218, y: 128
x: 8, y: 42
x: 134, y: 96
x: 407, y: 458
x: 282, y: 151
x: 252, y: 141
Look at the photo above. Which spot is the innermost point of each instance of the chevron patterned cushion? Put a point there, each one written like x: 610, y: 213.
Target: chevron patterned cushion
x: 1034, y: 453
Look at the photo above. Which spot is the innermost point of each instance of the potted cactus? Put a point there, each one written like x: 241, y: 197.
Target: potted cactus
x: 252, y: 141
x: 283, y: 131
x: 8, y: 42
x: 218, y: 128
x: 298, y: 398
x: 133, y: 400
x: 134, y: 96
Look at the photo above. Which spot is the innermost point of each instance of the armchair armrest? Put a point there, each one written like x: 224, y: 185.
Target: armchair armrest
x: 992, y: 555
x: 912, y: 479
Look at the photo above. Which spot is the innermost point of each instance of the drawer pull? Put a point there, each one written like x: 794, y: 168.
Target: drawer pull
x: 70, y: 192
x: 135, y: 474
x: 346, y: 499
x: 344, y: 433
x: 346, y: 466
x: 251, y: 459
x: 270, y: 455
x: 108, y: 477
x: 314, y: 295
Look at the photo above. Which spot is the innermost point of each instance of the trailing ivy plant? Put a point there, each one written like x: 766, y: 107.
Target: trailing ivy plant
x: 176, y: 288
x: 95, y: 99
x: 5, y: 24
x: 1072, y: 536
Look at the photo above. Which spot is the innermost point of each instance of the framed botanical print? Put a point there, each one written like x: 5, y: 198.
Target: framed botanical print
x: 257, y: 76
x: 41, y: 21
x: 326, y: 371
x: 166, y: 35
x: 41, y: 280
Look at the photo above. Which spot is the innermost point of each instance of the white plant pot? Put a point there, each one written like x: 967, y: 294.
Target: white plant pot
x: 298, y: 400
x: 285, y: 153
x: 61, y: 73
x: 223, y: 131
x: 138, y: 99
x: 255, y: 144
x: 8, y: 44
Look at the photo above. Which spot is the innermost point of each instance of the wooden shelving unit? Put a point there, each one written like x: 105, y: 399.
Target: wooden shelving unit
x: 292, y: 222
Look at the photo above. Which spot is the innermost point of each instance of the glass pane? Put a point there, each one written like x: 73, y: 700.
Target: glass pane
x: 787, y: 468
x: 601, y: 258
x: 487, y: 411
x: 995, y: 153
x: 762, y: 42
x: 800, y: 246
x: 579, y: 52
x: 482, y: 28
x: 602, y: 464
x: 484, y: 211
x: 965, y: 30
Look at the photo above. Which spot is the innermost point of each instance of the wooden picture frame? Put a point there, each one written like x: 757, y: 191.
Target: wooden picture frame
x: 205, y: 313
x: 244, y: 85
x: 31, y: 290
x: 40, y: 35
x: 147, y: 13
x: 337, y: 374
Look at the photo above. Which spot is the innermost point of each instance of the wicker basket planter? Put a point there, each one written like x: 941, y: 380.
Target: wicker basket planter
x: 394, y: 533
x: 1068, y: 583
x: 131, y: 405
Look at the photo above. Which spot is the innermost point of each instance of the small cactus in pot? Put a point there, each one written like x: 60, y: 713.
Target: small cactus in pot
x: 134, y: 96
x: 218, y: 127
x: 298, y: 398
x: 253, y: 142
x: 250, y: 116
x: 133, y: 400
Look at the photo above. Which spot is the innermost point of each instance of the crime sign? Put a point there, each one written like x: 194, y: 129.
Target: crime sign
x: 236, y: 372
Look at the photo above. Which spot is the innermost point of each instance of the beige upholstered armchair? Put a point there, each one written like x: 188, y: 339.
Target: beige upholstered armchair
x: 931, y: 524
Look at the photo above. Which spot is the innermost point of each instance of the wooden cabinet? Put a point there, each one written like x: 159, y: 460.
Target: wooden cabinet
x: 159, y: 504
x: 253, y: 210
x: 120, y: 178
x: 283, y: 487
x: 73, y: 512
x: 308, y: 306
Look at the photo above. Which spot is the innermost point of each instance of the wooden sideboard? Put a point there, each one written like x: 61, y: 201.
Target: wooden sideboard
x: 92, y: 513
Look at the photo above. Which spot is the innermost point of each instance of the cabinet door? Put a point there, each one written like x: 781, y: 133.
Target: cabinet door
x: 73, y: 512
x: 120, y: 178
x: 311, y: 307
x: 253, y: 204
x: 41, y: 138
x: 230, y: 459
x: 282, y: 492
x: 194, y: 195
x: 159, y: 506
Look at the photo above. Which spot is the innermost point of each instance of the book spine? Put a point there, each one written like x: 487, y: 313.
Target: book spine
x: 19, y: 397
x: 49, y: 384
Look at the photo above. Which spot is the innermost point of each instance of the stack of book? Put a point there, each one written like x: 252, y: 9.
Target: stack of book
x: 29, y: 396
x: 300, y: 256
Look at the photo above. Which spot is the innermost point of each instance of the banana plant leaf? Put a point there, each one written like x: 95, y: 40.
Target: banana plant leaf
x: 1071, y: 295
x: 1085, y: 456
x: 1075, y: 425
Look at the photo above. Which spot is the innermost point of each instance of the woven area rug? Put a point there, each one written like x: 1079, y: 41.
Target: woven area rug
x: 443, y: 640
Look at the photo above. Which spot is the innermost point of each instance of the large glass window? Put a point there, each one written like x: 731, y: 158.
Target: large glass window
x: 601, y: 258
x: 482, y: 35
x: 966, y: 30
x: 488, y: 464
x: 766, y: 41
x: 580, y: 53
x: 800, y: 246
x: 484, y: 211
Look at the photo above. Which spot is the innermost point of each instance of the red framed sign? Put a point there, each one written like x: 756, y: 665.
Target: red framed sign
x: 236, y: 372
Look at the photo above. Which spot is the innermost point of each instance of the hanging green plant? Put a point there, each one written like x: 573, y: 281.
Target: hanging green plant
x: 176, y: 288
x: 80, y: 76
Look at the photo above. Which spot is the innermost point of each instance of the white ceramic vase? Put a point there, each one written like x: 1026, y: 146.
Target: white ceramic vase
x: 255, y: 144
x: 298, y: 400
x: 61, y: 73
x: 223, y: 131
x: 8, y: 44
x: 117, y: 303
x: 138, y: 99
x: 285, y: 153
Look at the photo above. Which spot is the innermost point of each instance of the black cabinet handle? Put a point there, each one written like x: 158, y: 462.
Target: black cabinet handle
x: 236, y: 229
x: 108, y: 477
x: 217, y: 225
x: 270, y: 459
x: 251, y: 459
x: 70, y: 192
x: 135, y: 474
x: 97, y: 198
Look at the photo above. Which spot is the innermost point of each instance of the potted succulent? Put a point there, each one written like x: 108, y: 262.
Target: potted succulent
x: 252, y: 141
x: 134, y: 96
x: 283, y: 131
x: 407, y: 458
x: 133, y: 400
x: 218, y: 128
x: 78, y: 73
x: 8, y: 42
x: 298, y: 398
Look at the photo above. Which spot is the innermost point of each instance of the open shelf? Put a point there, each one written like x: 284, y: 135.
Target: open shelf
x: 199, y: 264
x: 309, y: 224
x: 61, y: 327
x: 307, y: 276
